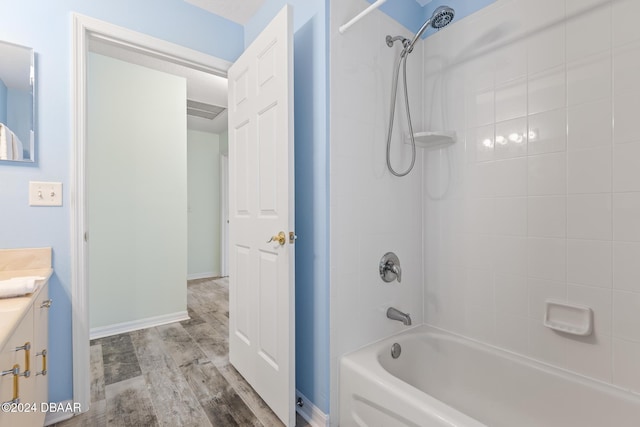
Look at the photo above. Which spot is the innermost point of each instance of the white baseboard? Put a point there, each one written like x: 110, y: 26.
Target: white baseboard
x: 56, y: 417
x: 311, y: 413
x: 207, y: 275
x: 134, y: 325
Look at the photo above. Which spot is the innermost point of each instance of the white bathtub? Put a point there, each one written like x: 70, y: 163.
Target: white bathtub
x: 443, y: 380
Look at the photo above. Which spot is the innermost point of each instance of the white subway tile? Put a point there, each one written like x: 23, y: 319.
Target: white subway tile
x: 589, y: 79
x: 482, y: 179
x: 546, y: 49
x: 626, y: 216
x: 511, y: 100
x: 510, y: 256
x: 626, y: 315
x: 480, y: 108
x: 547, y: 216
x: 547, y: 90
x: 511, y: 332
x: 480, y: 324
x: 480, y: 251
x: 626, y: 107
x: 511, y: 64
x: 479, y: 74
x: 626, y: 167
x: 481, y: 143
x: 510, y: 177
x: 540, y: 291
x: 511, y: 139
x: 546, y: 258
x: 546, y: 345
x: 590, y: 125
x: 626, y: 369
x: 547, y: 132
x: 589, y: 216
x: 512, y: 294
x: 589, y: 262
x: 510, y: 216
x: 582, y: 18
x: 599, y: 300
x: 626, y: 67
x: 589, y: 171
x: 479, y: 215
x: 591, y: 356
x: 547, y: 174
x: 626, y: 266
x: 479, y: 288
x: 625, y: 21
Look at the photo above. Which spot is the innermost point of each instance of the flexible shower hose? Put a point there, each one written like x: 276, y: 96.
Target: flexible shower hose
x: 401, y: 60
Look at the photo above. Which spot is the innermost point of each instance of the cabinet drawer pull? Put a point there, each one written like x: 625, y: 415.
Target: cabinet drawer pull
x: 46, y: 303
x: 43, y: 353
x: 27, y: 356
x: 15, y: 371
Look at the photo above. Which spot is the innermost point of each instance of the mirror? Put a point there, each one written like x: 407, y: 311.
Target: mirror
x: 17, y: 103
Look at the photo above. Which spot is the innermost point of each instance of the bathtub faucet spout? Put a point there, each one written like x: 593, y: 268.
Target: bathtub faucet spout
x: 395, y: 314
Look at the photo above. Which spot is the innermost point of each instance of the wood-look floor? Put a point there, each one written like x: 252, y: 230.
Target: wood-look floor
x: 174, y: 375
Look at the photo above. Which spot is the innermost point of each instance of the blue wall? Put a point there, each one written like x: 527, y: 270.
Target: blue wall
x: 3, y: 102
x: 311, y: 62
x: 410, y: 14
x: 46, y: 27
x: 19, y: 122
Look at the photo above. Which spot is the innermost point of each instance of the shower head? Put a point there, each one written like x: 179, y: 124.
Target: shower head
x: 440, y: 18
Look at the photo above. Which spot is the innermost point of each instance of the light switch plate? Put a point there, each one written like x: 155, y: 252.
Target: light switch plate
x: 45, y: 193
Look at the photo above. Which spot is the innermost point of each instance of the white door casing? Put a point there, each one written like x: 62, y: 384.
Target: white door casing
x: 261, y: 204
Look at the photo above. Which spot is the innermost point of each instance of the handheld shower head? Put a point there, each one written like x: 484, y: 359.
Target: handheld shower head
x: 440, y: 18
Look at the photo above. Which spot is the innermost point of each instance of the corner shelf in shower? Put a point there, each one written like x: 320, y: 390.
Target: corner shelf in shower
x: 433, y: 140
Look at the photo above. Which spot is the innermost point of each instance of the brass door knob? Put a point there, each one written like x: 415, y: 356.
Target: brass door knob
x: 281, y: 238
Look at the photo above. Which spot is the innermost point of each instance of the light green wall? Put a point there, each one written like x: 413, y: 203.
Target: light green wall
x: 224, y: 143
x: 203, y: 153
x: 137, y: 188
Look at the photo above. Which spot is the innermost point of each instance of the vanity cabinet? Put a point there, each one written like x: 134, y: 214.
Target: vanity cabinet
x: 23, y: 364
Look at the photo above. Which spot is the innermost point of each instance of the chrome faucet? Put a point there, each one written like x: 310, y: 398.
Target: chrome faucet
x: 395, y: 314
x: 389, y: 268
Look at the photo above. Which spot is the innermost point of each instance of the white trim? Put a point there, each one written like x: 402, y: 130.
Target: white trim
x: 206, y: 275
x: 134, y: 325
x: 85, y: 28
x: 57, y: 417
x: 224, y: 214
x: 311, y: 413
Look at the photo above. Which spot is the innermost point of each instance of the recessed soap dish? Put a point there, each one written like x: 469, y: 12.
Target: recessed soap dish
x: 572, y: 319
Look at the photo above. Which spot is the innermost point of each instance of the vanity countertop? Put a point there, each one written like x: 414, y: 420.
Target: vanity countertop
x: 34, y: 263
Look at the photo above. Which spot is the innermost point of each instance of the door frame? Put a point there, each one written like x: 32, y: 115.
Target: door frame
x: 84, y: 29
x: 224, y: 214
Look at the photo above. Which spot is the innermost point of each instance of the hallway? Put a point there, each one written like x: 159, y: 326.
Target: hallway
x: 174, y: 375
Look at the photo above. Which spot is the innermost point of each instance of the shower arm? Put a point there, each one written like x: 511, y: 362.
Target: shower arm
x: 413, y: 41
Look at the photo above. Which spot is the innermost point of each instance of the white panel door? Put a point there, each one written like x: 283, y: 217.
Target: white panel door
x: 261, y: 205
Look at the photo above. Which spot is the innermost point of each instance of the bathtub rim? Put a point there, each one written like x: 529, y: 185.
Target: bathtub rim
x: 385, y: 343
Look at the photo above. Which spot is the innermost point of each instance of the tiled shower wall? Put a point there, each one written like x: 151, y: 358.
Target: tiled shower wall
x: 371, y: 211
x: 540, y: 196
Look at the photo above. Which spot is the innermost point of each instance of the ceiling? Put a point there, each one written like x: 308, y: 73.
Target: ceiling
x: 239, y: 11
x: 202, y: 87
